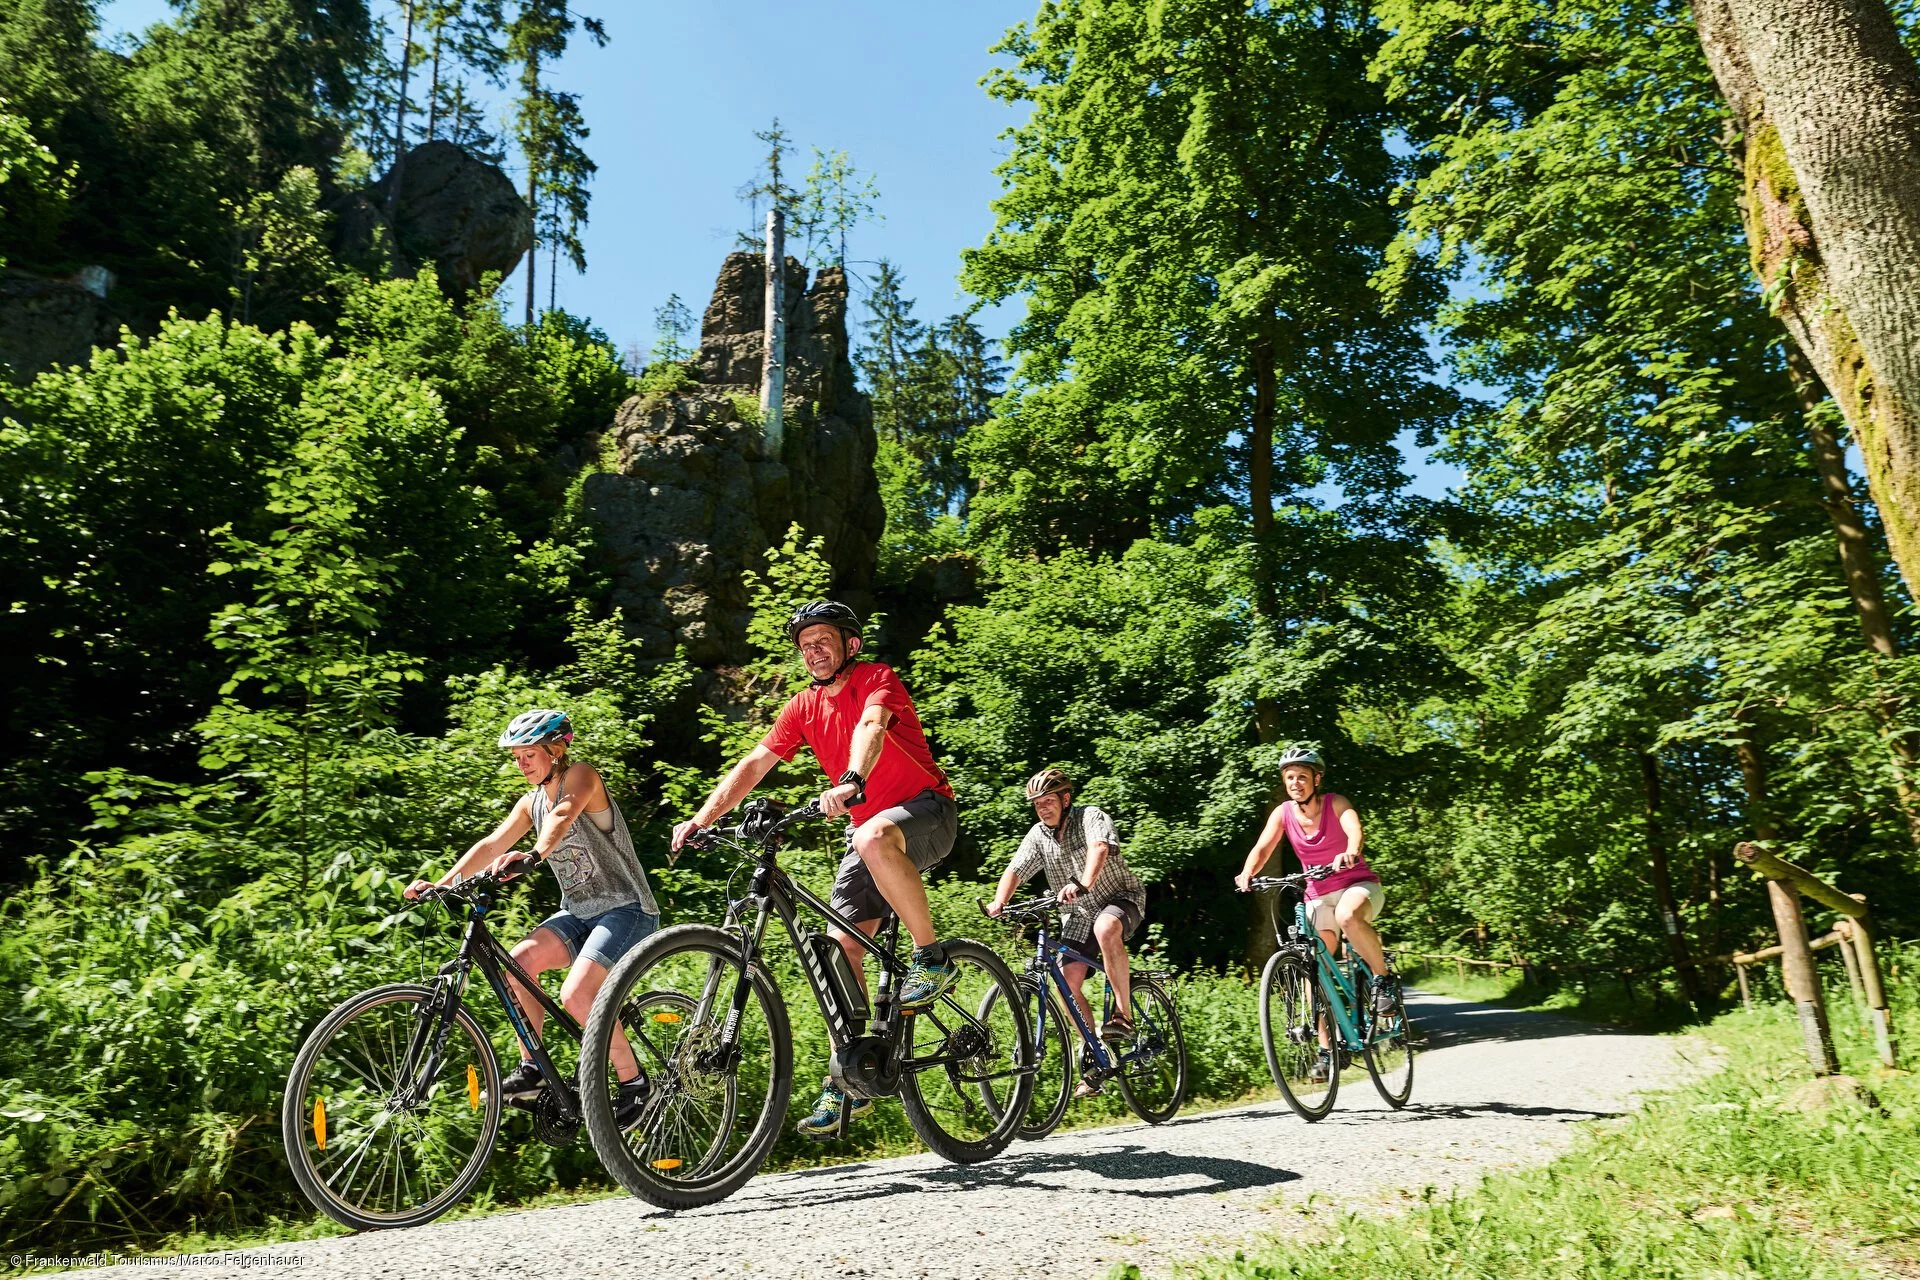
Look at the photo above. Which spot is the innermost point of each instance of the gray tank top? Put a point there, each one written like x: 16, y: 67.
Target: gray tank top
x: 598, y: 870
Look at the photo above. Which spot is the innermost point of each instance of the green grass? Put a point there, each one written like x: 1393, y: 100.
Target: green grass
x: 1720, y: 1178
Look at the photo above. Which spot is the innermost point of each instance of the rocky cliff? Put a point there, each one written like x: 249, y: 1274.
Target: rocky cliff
x: 696, y: 499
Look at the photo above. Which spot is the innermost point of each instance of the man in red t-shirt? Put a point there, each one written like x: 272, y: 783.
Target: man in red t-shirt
x: 864, y: 733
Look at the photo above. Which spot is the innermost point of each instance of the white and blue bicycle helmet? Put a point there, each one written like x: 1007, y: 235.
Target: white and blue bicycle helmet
x: 537, y: 729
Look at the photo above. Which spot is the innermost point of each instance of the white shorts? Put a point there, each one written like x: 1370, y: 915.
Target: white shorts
x: 1366, y: 898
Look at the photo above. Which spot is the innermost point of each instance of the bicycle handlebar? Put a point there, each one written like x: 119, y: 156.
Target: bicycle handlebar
x: 1018, y: 912
x: 710, y: 837
x: 465, y: 887
x: 1294, y: 881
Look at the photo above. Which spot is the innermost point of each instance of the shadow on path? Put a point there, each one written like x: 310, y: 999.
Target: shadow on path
x: 1122, y: 1169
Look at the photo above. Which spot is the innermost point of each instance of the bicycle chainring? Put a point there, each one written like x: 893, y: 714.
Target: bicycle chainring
x: 550, y: 1121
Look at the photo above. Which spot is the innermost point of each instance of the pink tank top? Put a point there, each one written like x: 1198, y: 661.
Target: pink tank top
x: 1320, y: 848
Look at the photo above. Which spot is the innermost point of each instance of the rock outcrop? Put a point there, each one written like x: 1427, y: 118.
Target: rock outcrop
x: 455, y: 213
x: 47, y: 322
x: 696, y: 499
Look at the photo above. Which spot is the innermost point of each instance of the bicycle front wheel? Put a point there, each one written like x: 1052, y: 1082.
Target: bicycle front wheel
x: 1053, y: 1065
x: 384, y: 1127
x: 714, y: 1105
x: 1293, y: 1012
x: 1153, y: 1069
x: 1390, y: 1053
x: 968, y: 1076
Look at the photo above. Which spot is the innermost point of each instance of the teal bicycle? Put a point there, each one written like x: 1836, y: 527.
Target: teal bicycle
x: 1315, y: 1016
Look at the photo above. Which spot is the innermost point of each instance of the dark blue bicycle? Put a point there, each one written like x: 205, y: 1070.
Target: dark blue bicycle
x: 1151, y: 1069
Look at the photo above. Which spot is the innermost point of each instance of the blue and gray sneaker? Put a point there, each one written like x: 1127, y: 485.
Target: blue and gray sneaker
x: 824, y: 1124
x: 931, y: 976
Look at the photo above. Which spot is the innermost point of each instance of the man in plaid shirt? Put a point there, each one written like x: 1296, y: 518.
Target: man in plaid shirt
x: 1101, y: 899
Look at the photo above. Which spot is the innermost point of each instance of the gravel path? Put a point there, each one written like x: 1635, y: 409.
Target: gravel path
x: 1495, y: 1089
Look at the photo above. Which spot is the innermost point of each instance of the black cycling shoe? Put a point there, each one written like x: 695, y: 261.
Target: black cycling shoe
x: 629, y: 1100
x: 1386, y: 993
x: 521, y: 1083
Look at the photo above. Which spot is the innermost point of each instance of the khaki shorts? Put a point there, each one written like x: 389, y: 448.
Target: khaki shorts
x: 1367, y: 898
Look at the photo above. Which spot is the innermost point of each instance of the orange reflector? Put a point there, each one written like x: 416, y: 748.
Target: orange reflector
x: 473, y: 1088
x: 320, y: 1122
x: 668, y: 1163
x: 666, y: 1016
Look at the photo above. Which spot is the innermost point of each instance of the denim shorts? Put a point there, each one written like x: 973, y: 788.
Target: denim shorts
x: 604, y: 938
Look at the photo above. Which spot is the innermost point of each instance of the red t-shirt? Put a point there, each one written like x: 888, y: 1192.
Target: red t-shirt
x: 826, y: 723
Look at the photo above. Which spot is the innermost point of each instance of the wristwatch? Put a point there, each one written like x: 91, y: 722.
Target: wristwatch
x: 1075, y: 882
x: 851, y: 777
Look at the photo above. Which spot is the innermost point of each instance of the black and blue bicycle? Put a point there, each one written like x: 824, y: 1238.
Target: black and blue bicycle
x: 1151, y: 1068
x: 1315, y: 1015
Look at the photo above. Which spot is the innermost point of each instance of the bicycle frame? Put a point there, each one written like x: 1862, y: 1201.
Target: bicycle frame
x: 1054, y: 955
x: 479, y: 948
x: 1343, y: 999
x: 775, y: 893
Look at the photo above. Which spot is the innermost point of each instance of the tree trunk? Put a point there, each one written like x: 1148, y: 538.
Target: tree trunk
x: 433, y: 87
x: 1689, y: 977
x: 1863, y: 583
x: 533, y: 249
x: 1266, y: 714
x: 400, y: 115
x: 1826, y: 101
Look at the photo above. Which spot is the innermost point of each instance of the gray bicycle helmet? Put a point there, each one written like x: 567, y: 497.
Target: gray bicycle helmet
x: 1303, y: 755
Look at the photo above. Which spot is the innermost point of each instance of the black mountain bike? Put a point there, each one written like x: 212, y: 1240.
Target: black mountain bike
x: 1316, y: 1014
x: 722, y: 1078
x: 1151, y: 1068
x: 393, y: 1105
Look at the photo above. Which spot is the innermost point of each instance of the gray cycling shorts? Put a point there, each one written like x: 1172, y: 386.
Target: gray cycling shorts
x: 930, y: 823
x: 1129, y: 913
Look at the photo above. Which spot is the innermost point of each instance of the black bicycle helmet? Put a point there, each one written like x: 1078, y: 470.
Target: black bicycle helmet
x: 815, y: 612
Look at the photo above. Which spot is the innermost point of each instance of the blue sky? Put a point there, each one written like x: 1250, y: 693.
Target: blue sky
x: 673, y: 101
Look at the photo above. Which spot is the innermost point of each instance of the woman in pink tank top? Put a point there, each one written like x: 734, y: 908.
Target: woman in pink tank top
x: 1324, y: 830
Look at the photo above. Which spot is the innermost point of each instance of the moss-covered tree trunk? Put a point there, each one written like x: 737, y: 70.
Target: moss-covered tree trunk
x: 1826, y: 104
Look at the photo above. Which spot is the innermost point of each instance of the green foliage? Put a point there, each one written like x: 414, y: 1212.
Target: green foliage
x: 159, y: 979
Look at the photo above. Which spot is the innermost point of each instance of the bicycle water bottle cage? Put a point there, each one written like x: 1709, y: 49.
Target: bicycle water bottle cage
x: 758, y: 818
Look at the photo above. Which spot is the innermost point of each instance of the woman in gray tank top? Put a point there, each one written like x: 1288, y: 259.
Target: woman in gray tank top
x: 606, y: 904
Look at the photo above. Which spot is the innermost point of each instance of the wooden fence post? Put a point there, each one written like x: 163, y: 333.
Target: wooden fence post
x: 1803, y: 985
x: 1845, y: 929
x: 1875, y: 990
x: 1746, y: 996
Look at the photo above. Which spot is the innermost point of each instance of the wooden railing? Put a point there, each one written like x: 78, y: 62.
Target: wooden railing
x: 1786, y: 885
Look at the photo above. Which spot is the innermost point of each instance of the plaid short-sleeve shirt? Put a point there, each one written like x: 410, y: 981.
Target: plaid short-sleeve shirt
x: 1063, y: 858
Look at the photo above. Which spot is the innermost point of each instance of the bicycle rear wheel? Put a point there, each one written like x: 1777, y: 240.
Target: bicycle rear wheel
x: 1390, y: 1053
x: 1153, y: 1069
x: 713, y: 1110
x: 1053, y: 1065
x: 1293, y: 1009
x: 968, y: 1078
x: 376, y: 1132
